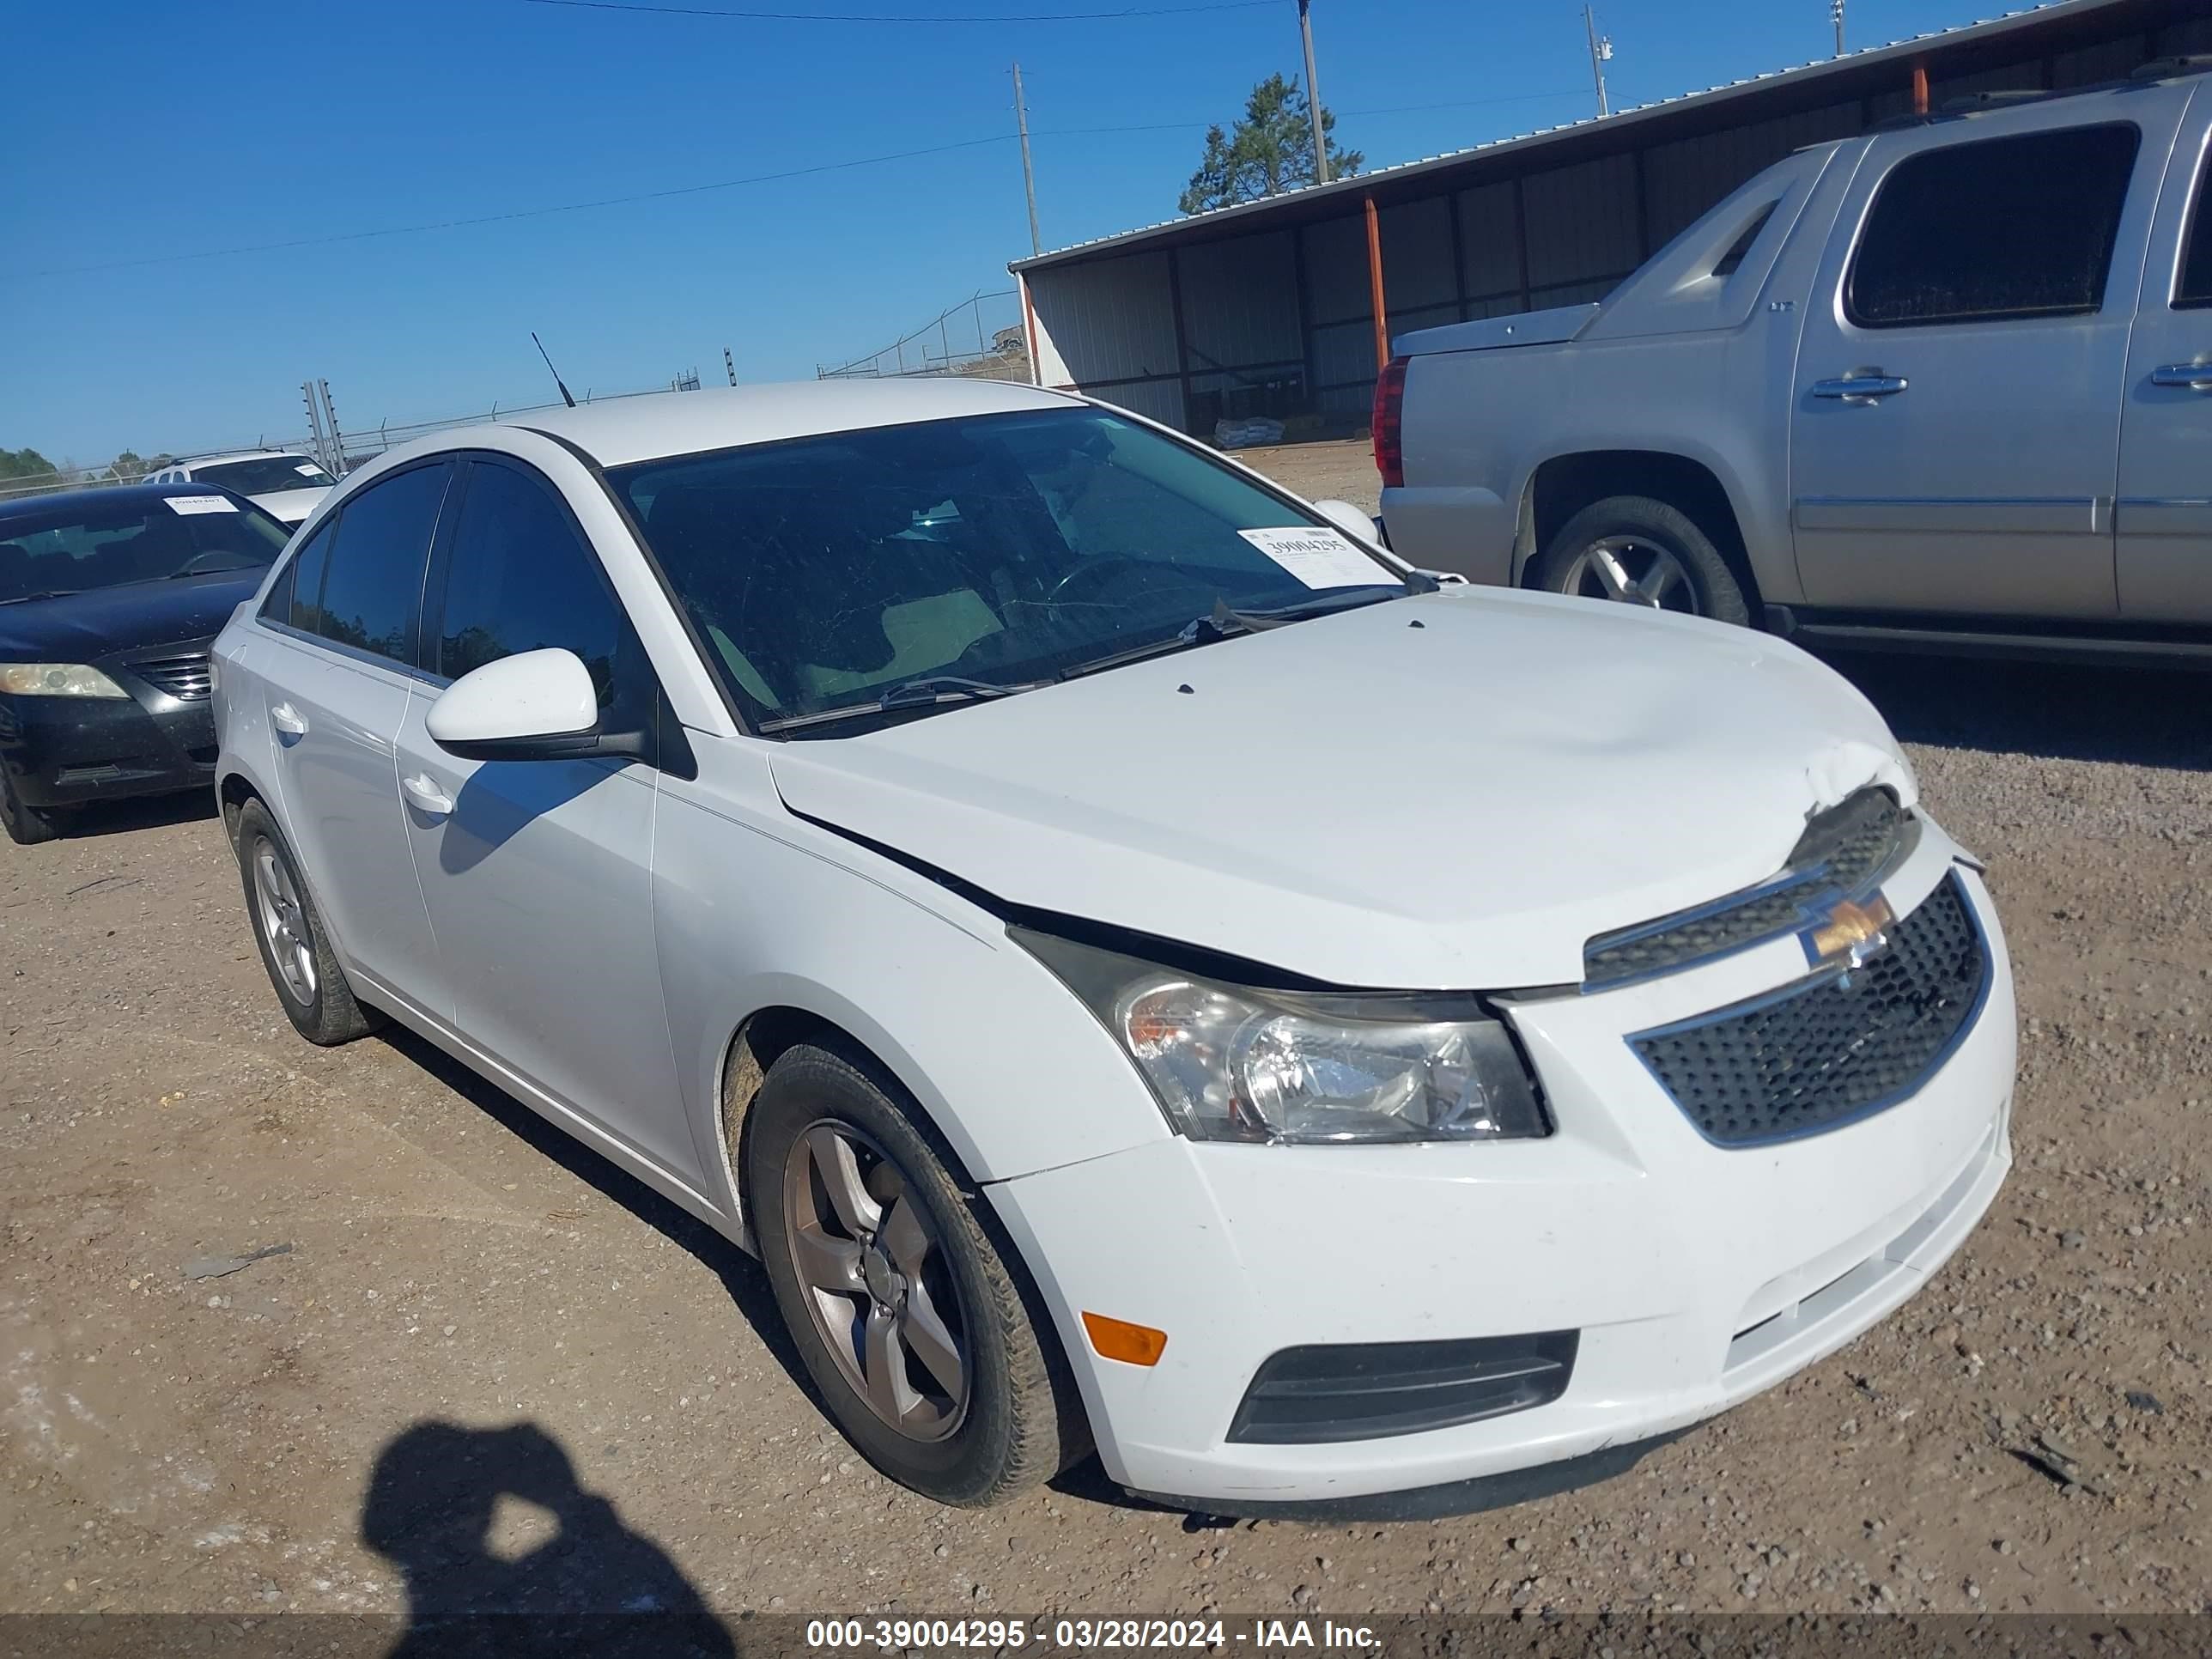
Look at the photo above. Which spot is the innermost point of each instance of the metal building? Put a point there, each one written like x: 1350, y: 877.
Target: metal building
x: 1283, y: 307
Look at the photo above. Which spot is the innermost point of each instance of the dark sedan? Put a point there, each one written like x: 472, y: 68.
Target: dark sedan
x: 108, y: 601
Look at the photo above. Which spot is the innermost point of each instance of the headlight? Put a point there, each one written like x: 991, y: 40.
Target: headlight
x: 56, y: 679
x: 1229, y: 1062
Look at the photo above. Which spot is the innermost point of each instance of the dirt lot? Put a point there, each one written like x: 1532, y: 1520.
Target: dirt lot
x: 476, y: 1319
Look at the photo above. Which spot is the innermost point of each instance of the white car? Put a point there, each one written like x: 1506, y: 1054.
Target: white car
x: 288, y: 485
x: 1139, y: 965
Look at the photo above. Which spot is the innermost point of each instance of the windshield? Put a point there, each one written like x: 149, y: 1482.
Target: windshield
x: 265, y: 475
x: 90, y: 543
x: 1002, y: 549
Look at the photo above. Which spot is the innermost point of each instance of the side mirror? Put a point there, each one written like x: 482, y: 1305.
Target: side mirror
x: 535, y: 705
x: 1361, y: 528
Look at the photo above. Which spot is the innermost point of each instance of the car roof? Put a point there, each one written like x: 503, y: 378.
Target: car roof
x: 621, y: 430
x: 239, y: 455
x: 26, y: 506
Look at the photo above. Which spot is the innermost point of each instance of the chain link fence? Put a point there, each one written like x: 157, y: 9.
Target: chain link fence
x: 982, y: 339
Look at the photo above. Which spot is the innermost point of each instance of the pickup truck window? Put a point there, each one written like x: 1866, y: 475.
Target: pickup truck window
x: 1730, y: 262
x: 2194, y: 287
x: 1993, y: 229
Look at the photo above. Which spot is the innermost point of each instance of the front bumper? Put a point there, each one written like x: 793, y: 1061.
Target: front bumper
x: 62, y: 751
x: 1697, y: 1275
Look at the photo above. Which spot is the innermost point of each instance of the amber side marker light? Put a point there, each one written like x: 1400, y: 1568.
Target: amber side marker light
x: 1117, y: 1339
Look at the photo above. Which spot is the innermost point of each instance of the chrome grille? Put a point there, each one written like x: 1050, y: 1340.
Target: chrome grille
x: 1836, y: 1047
x: 1845, y: 850
x: 182, y: 674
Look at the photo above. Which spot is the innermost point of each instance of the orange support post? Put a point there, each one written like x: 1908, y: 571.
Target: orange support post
x: 1375, y: 285
x: 1920, y: 89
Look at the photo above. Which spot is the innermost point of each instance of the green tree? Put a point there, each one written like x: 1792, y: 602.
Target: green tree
x: 1268, y: 151
x: 24, y: 464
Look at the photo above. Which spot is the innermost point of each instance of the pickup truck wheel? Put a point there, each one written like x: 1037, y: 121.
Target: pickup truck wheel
x: 1636, y: 550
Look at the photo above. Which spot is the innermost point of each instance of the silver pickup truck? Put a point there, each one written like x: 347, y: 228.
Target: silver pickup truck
x: 1948, y: 382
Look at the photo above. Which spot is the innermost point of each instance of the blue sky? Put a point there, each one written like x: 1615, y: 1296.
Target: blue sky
x: 142, y: 132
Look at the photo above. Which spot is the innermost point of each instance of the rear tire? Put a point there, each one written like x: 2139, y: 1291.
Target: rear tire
x: 295, y: 948
x: 27, y: 825
x: 1636, y: 550
x: 915, y: 1328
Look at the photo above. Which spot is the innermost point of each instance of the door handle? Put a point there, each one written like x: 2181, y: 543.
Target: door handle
x: 426, y: 794
x: 288, y: 721
x: 1860, y: 386
x: 2197, y: 377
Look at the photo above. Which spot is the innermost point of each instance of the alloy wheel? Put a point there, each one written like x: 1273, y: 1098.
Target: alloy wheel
x: 1632, y: 570
x: 283, y: 924
x: 876, y: 1282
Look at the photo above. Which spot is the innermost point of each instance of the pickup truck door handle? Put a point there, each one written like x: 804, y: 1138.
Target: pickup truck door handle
x: 288, y: 721
x: 1860, y: 386
x: 425, y: 793
x: 2197, y: 377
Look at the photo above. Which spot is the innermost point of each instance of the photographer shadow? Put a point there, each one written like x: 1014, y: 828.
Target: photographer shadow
x: 593, y: 1586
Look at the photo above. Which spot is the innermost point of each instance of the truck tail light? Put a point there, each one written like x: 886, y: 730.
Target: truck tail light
x: 1386, y: 426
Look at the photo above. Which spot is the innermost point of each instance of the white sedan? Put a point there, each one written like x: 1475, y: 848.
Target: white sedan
x: 1140, y: 966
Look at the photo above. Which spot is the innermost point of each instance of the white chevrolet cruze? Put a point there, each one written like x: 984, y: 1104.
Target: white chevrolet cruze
x: 1140, y: 966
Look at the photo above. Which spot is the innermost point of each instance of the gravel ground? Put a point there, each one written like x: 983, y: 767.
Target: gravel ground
x: 479, y: 1325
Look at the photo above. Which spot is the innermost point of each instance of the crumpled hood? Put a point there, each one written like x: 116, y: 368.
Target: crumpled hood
x: 1460, y: 804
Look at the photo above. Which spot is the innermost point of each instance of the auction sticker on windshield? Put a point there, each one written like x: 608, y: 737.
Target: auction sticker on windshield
x: 1317, y: 557
x: 190, y: 504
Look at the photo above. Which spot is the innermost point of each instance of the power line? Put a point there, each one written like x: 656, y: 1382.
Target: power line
x: 695, y: 190
x: 1389, y: 109
x: 750, y: 16
x: 522, y: 213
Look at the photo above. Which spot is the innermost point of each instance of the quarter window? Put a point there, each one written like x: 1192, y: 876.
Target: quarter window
x: 299, y: 590
x: 2194, y: 287
x: 520, y: 579
x: 374, y: 588
x: 1994, y: 229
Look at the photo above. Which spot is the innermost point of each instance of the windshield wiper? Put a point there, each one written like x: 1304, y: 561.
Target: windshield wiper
x: 1218, y: 624
x: 49, y: 594
x: 924, y: 691
x: 942, y: 688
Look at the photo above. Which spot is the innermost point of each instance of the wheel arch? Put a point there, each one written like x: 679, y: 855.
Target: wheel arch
x: 1561, y: 487
x: 773, y: 1029
x: 232, y: 791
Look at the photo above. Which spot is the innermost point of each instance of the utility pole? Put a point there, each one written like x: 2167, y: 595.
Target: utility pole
x: 1601, y: 50
x: 337, y: 438
x: 1836, y: 11
x: 1028, y: 172
x: 729, y: 365
x: 320, y: 443
x: 1313, y: 95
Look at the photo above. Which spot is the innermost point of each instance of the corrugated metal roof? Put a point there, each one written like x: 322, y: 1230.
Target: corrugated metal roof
x: 1850, y: 64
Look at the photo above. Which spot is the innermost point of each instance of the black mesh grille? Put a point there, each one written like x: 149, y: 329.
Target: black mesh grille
x: 1842, y: 1048
x: 182, y: 674
x: 1844, y: 849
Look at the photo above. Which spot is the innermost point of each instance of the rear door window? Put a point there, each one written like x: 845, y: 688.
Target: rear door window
x: 1994, y: 229
x: 2193, y: 287
x: 373, y: 595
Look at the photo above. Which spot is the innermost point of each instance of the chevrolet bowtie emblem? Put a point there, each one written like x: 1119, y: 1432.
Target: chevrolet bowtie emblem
x: 1852, y: 935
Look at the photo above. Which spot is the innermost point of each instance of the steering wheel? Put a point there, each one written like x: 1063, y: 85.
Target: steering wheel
x: 1091, y: 574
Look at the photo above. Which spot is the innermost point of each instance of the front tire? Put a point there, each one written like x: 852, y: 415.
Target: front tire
x: 911, y: 1320
x: 27, y: 825
x: 295, y: 948
x: 1636, y: 550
